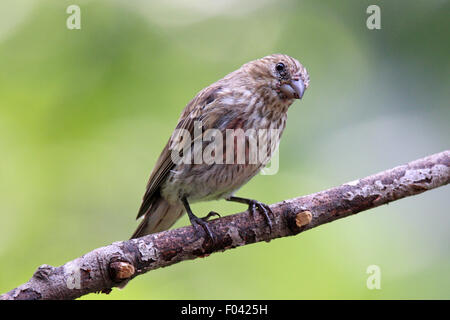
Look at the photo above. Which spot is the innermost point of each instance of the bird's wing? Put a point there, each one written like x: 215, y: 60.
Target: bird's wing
x: 191, y: 113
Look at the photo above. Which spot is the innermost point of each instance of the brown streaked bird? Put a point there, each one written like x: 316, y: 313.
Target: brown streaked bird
x: 256, y: 96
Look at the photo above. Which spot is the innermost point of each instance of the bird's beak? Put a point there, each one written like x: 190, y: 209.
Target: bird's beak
x: 294, y: 89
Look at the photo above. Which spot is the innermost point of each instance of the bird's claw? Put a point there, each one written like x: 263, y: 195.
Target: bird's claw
x: 195, y: 221
x: 262, y: 208
x: 210, y: 215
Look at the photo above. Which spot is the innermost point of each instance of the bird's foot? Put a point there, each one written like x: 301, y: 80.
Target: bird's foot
x: 254, y: 205
x: 196, y: 221
x: 263, y: 208
x: 210, y: 215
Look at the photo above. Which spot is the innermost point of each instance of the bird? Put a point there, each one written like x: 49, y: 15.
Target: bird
x: 255, y: 98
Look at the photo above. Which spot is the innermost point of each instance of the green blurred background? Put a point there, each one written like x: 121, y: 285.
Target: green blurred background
x: 85, y: 113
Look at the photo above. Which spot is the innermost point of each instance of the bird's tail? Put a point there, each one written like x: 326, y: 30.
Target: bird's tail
x: 159, y: 217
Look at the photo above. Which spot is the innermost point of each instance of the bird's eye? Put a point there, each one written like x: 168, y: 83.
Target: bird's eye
x: 280, y: 67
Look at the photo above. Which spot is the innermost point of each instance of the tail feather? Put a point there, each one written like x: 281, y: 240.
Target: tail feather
x: 159, y: 217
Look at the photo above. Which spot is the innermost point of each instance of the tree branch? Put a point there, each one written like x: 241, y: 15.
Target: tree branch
x: 116, y: 264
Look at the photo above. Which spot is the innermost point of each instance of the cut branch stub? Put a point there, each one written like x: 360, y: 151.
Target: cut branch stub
x: 303, y: 218
x: 120, y: 270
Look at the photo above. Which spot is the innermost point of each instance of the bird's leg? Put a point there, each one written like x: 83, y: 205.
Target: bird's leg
x: 195, y: 221
x: 253, y: 205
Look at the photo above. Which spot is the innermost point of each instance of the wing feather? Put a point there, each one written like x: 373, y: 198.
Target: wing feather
x: 191, y: 113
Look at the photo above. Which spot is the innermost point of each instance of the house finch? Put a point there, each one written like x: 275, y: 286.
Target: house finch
x: 255, y: 98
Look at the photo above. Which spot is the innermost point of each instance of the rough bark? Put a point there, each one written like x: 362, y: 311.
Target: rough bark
x: 116, y: 264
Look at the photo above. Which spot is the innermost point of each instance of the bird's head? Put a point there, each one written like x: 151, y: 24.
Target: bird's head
x: 281, y: 73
